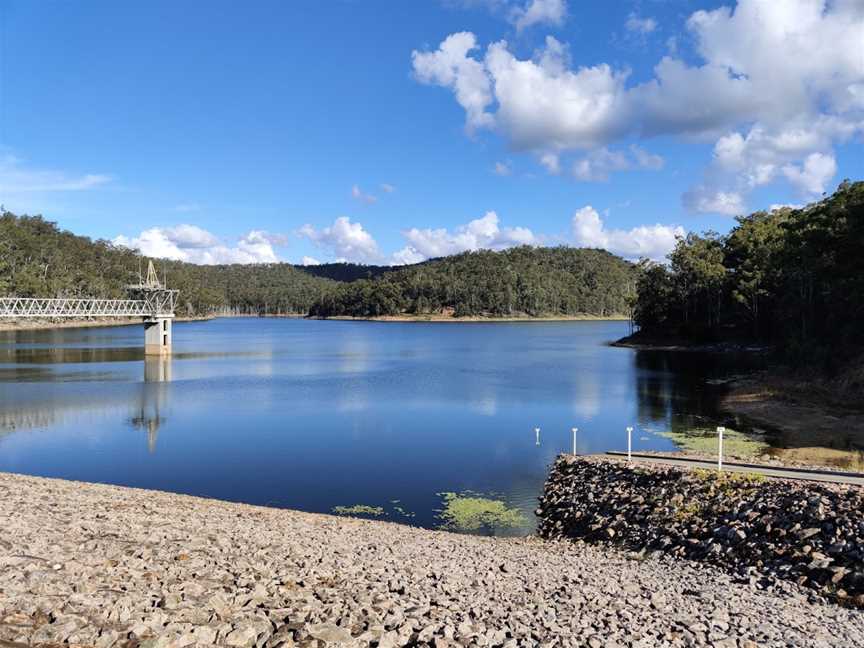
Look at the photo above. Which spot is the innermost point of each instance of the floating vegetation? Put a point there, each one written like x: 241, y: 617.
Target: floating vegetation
x: 358, y: 509
x: 469, y: 512
x: 704, y: 441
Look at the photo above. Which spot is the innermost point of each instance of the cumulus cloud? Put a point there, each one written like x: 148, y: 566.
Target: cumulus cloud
x: 346, y: 240
x: 358, y: 195
x: 539, y: 12
x: 638, y: 25
x: 484, y: 232
x: 17, y: 178
x: 407, y: 256
x: 777, y: 206
x: 451, y: 67
x: 196, y: 245
x: 309, y: 261
x: 743, y: 162
x: 598, y: 165
x: 764, y: 71
x: 704, y: 199
x: 812, y: 177
x: 650, y: 241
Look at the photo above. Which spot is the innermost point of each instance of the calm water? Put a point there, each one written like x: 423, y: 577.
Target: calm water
x: 314, y: 414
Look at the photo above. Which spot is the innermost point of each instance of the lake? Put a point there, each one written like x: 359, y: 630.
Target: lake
x: 313, y: 415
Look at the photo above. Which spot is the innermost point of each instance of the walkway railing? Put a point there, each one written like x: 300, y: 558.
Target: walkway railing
x: 36, y: 307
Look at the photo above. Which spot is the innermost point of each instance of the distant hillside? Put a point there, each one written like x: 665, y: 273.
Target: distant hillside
x: 39, y: 259
x: 522, y: 281
x: 345, y: 271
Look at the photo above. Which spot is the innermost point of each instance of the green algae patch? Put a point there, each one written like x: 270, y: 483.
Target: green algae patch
x: 358, y: 509
x: 704, y: 442
x: 471, y: 513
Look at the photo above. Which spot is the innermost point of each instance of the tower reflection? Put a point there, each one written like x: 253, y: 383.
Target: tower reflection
x: 157, y: 373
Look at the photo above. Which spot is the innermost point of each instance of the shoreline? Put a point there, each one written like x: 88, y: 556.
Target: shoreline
x: 643, y: 343
x: 473, y: 319
x: 805, y: 421
x: 806, y: 428
x: 94, y: 564
x: 41, y: 325
x: 46, y: 325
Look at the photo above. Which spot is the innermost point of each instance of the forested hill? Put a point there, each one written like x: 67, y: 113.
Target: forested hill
x: 345, y: 271
x: 521, y: 281
x: 791, y: 277
x: 37, y: 259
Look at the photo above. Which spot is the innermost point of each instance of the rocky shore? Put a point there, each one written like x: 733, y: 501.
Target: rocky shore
x: 96, y: 565
x: 760, y: 530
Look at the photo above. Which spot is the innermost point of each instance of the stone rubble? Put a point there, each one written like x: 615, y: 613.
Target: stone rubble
x: 96, y: 565
x: 760, y: 529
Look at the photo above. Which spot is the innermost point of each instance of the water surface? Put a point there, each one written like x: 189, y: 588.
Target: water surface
x: 313, y: 415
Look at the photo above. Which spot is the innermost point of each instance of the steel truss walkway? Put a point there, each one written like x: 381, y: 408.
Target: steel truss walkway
x: 151, y: 301
x: 21, y: 307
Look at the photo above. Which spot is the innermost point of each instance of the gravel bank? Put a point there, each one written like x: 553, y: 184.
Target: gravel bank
x: 99, y: 565
x: 808, y: 532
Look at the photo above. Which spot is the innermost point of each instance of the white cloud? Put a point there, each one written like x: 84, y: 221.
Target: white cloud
x: 639, y: 25
x: 812, y: 177
x: 769, y: 67
x: 190, y: 236
x: 387, y: 188
x: 777, y: 206
x: 600, y: 163
x: 651, y: 241
x: 539, y: 12
x: 704, y: 199
x: 543, y: 105
x: 597, y: 166
x: 483, y: 232
x: 406, y: 256
x: 451, y: 67
x: 358, y: 195
x: 309, y: 261
x: 16, y: 178
x: 195, y: 245
x: 742, y: 162
x: 346, y: 240
x: 502, y: 169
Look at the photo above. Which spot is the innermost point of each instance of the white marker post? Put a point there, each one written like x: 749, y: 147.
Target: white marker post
x: 574, y: 431
x: 629, y: 443
x: 720, y: 431
x: 537, y: 434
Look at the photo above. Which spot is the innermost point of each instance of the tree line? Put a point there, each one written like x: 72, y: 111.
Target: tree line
x: 792, y: 277
x: 521, y: 281
x: 38, y: 259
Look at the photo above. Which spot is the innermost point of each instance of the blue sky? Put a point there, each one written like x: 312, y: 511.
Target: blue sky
x: 394, y: 131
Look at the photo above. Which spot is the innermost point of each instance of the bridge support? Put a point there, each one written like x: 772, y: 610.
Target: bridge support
x: 157, y: 336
